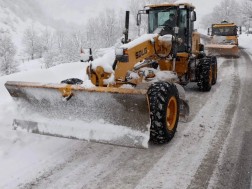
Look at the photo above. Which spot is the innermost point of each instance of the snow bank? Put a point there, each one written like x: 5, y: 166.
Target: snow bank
x: 106, y: 61
x: 245, y: 41
x: 140, y: 40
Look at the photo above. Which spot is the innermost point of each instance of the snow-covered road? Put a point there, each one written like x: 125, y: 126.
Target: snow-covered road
x: 193, y: 159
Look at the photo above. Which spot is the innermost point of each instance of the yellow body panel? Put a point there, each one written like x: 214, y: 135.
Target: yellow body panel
x: 146, y: 49
x: 223, y: 25
x: 181, y: 66
x: 164, y: 64
x: 148, y: 52
x: 195, y: 43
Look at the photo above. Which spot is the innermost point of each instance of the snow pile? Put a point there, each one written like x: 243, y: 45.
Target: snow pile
x: 245, y: 41
x: 166, y: 76
x: 166, y: 38
x: 106, y: 61
x: 36, y: 64
x: 88, y: 84
x: 138, y: 41
x: 97, y: 130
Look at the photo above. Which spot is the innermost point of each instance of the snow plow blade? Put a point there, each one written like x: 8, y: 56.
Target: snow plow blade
x: 100, y: 114
x: 222, y: 50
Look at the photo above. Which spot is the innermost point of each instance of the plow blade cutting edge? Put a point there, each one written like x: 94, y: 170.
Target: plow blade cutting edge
x: 222, y: 50
x: 101, y: 114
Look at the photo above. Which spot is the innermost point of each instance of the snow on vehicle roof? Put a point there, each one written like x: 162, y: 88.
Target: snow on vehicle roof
x: 139, y: 40
x: 166, y: 4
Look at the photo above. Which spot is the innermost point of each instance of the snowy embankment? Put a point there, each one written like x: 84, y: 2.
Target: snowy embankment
x: 19, y: 152
x: 245, y: 41
x: 31, y: 72
x: 22, y: 154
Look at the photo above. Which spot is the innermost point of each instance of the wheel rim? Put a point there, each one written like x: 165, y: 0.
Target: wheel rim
x: 215, y: 71
x: 171, y: 114
x: 210, y: 75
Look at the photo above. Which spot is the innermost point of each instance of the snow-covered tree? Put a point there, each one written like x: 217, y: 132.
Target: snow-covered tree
x: 109, y: 27
x: 7, y: 54
x: 32, y: 42
x: 60, y: 40
x: 71, y: 50
x: 65, y: 48
x: 91, y: 34
x: 228, y: 10
x: 246, y: 13
x: 47, y: 40
x: 104, y: 30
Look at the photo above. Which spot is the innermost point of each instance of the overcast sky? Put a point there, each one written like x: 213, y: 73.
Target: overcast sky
x: 80, y: 10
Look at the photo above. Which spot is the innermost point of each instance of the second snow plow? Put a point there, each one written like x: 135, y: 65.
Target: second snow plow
x: 142, y: 96
x: 224, y: 39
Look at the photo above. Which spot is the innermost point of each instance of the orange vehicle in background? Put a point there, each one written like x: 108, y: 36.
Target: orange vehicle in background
x: 224, y: 39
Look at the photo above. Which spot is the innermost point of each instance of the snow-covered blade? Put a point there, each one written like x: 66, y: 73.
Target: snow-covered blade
x: 222, y: 50
x: 101, y: 114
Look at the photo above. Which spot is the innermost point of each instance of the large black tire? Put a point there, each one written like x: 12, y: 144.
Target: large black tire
x: 164, y: 111
x: 205, y: 74
x: 214, y: 69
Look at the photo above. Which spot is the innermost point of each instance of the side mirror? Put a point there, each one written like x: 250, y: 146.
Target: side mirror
x: 209, y: 31
x: 240, y: 30
x: 193, y: 16
x: 138, y: 19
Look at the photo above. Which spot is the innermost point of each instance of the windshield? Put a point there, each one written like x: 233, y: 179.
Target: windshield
x: 159, y: 18
x: 225, y: 31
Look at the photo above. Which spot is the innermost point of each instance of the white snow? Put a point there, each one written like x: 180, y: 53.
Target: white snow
x: 166, y: 76
x: 106, y: 61
x: 88, y: 84
x: 140, y: 40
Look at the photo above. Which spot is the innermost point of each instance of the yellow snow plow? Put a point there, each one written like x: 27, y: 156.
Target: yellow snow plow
x: 223, y: 50
x: 73, y: 111
x: 141, y: 99
x: 224, y: 39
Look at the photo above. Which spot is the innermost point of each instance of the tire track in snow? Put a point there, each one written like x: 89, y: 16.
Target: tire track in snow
x: 206, y: 169
x: 98, y: 166
x: 235, y: 162
x: 92, y: 153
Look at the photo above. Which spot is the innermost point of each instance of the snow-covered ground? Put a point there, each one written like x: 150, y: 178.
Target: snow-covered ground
x: 24, y: 156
